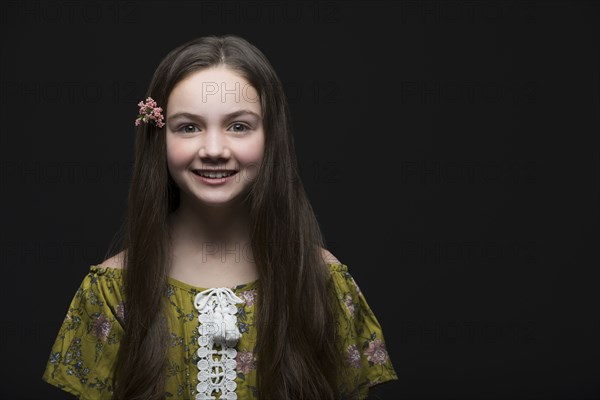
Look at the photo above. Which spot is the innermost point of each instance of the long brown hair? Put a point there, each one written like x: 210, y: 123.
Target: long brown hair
x: 297, y: 356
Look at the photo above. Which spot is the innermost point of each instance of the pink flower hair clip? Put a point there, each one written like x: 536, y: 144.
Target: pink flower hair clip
x: 149, y: 111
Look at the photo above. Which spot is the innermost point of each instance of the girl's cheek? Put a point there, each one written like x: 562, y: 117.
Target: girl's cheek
x: 251, y: 158
x: 253, y: 151
x: 178, y: 155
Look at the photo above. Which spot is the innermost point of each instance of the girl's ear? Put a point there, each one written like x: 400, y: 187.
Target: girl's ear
x: 328, y: 257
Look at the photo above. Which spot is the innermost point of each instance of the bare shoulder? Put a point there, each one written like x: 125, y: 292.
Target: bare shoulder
x: 115, y: 261
x: 328, y: 257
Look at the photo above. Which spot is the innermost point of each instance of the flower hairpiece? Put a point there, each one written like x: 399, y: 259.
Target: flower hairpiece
x: 149, y: 111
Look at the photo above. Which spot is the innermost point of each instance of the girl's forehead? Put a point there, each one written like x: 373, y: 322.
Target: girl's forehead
x: 212, y: 78
x: 214, y: 86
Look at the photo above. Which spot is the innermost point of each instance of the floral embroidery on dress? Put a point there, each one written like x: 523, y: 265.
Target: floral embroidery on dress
x: 121, y: 311
x: 349, y: 303
x: 245, y: 360
x: 376, y: 352
x: 101, y: 327
x: 353, y: 356
x: 248, y: 297
x: 367, y: 359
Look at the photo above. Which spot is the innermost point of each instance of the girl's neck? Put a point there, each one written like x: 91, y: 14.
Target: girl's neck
x: 205, y: 230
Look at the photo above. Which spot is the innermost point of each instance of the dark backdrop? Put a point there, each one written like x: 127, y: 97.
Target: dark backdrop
x: 450, y: 150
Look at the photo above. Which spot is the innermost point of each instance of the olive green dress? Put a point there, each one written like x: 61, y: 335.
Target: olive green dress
x: 82, y: 357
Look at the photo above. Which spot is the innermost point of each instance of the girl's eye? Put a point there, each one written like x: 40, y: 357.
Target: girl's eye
x: 238, y: 124
x: 184, y: 128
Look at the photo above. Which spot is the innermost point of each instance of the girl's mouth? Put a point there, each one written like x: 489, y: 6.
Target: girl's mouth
x: 214, y: 177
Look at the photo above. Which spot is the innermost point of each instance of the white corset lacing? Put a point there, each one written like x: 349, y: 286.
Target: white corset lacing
x: 218, y: 326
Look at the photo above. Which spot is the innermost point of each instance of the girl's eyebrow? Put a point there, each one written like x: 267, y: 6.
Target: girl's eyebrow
x: 199, y: 117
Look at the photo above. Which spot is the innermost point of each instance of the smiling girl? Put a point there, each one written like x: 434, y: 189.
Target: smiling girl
x: 222, y: 288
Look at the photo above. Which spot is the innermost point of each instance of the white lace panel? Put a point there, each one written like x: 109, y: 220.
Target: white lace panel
x: 217, y: 327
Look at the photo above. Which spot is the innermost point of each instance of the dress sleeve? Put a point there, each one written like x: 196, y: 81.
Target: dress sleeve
x: 367, y: 362
x: 81, y: 360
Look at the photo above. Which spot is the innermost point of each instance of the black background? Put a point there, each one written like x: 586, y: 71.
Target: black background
x: 450, y: 150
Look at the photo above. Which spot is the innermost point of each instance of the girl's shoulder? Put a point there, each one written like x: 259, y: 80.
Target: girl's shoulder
x: 338, y: 269
x: 109, y: 269
x: 328, y: 257
x: 113, y: 266
x: 116, y: 261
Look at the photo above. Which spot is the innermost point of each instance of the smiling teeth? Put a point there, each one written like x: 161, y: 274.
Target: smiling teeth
x: 215, y: 174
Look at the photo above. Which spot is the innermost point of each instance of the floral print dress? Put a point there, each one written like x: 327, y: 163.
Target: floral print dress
x: 81, y: 360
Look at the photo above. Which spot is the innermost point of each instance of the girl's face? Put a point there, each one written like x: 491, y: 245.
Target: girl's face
x: 214, y: 122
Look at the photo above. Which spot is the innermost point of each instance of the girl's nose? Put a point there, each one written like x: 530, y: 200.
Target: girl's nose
x: 214, y: 145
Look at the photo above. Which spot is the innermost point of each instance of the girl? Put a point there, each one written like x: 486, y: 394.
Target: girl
x: 222, y: 288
